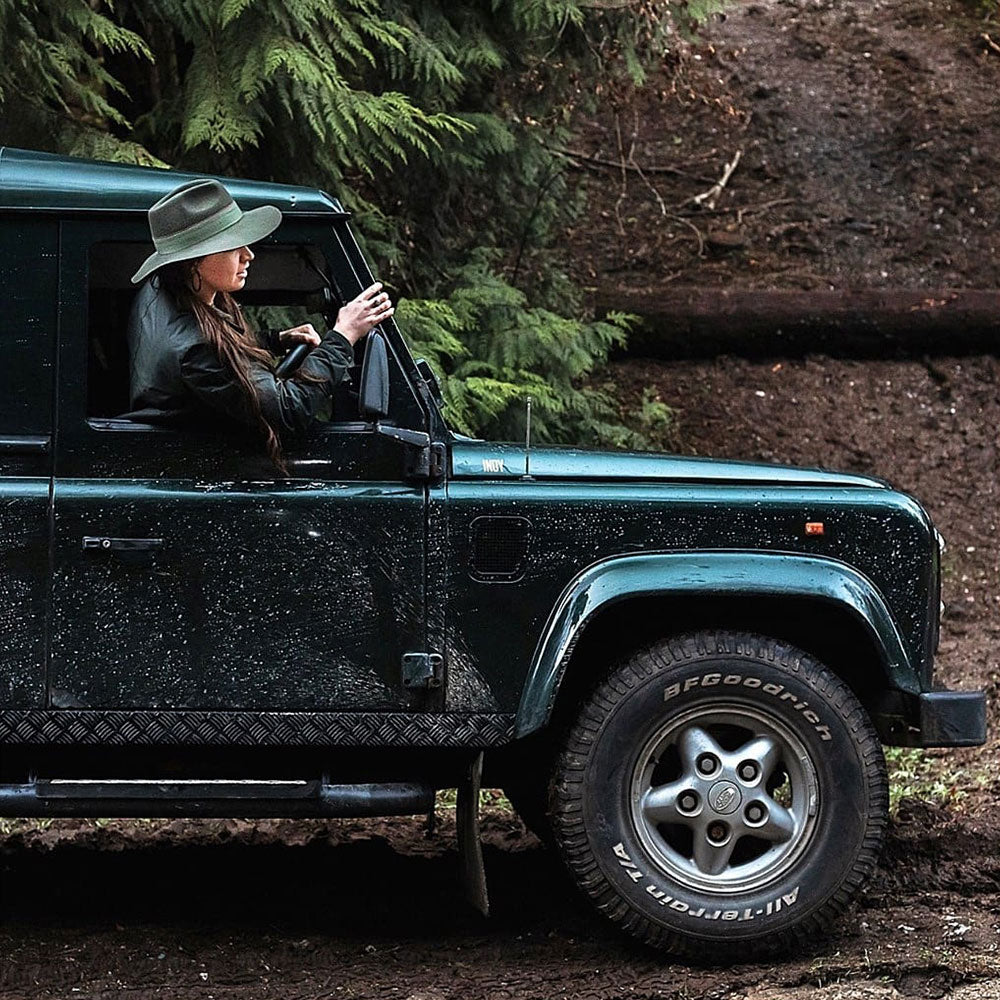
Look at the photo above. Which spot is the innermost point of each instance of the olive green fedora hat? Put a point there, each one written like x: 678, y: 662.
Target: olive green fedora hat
x: 199, y: 218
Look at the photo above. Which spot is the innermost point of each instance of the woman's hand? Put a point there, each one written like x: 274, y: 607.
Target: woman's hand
x: 304, y: 334
x: 369, y: 309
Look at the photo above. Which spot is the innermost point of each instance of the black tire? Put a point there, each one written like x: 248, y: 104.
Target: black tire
x: 668, y: 806
x: 524, y: 779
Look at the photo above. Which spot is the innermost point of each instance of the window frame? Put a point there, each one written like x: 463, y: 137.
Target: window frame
x: 79, y: 237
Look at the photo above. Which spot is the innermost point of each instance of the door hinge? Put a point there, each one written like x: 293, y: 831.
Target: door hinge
x: 422, y: 670
x: 426, y: 463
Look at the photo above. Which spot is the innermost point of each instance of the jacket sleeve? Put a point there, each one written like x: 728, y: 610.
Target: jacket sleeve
x: 270, y: 341
x: 288, y: 406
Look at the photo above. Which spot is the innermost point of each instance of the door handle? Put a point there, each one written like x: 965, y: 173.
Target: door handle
x: 103, y: 544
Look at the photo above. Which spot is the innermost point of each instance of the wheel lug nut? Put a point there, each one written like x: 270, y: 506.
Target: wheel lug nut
x: 748, y: 770
x: 688, y: 801
x: 754, y: 813
x: 707, y: 763
x: 717, y: 832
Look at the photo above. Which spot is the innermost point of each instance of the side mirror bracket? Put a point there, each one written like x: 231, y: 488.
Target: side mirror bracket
x: 418, y: 439
x: 424, y: 459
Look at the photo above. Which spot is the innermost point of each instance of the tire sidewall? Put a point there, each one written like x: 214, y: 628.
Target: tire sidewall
x: 795, y: 699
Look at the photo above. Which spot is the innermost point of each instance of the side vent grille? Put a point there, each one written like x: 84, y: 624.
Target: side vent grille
x: 499, y: 548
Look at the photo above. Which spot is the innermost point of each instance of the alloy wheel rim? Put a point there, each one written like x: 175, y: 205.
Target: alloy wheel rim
x: 724, y: 800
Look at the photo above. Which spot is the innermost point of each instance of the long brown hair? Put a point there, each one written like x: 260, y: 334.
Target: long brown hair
x: 230, y: 337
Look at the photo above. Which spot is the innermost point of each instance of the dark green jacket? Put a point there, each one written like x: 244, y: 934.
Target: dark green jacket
x: 177, y: 379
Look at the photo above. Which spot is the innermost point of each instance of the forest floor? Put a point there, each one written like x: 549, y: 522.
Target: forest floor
x: 829, y: 104
x: 866, y: 145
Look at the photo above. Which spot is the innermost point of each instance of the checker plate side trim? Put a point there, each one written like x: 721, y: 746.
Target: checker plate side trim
x: 67, y: 727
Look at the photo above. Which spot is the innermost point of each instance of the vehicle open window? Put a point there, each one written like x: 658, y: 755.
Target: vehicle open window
x: 285, y: 288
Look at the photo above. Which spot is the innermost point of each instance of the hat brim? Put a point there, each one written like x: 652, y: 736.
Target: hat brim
x: 249, y: 228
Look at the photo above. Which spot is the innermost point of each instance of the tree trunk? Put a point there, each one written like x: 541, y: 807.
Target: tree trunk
x: 864, y: 323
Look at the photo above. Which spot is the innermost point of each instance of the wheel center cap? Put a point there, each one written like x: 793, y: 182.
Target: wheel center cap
x: 724, y: 797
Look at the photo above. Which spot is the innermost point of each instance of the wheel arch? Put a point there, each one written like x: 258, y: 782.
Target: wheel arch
x: 824, y: 607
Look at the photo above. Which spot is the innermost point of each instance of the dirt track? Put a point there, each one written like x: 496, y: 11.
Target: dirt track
x: 336, y: 910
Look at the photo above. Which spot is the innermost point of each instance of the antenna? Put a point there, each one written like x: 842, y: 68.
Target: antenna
x: 527, y: 441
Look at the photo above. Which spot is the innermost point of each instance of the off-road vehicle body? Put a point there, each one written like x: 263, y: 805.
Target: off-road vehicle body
x: 680, y: 669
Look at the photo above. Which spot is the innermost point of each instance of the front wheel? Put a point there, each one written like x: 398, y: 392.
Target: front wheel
x: 721, y: 791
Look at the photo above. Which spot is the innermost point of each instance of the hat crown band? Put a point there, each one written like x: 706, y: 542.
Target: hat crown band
x: 198, y: 232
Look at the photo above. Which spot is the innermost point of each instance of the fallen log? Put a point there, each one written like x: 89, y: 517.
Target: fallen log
x: 861, y: 323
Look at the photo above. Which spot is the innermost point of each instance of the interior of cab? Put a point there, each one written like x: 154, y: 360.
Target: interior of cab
x: 286, y: 286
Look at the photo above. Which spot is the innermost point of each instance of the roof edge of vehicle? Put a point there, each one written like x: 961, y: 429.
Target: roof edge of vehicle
x: 45, y: 182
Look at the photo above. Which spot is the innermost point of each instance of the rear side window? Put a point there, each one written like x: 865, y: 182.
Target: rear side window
x: 29, y: 292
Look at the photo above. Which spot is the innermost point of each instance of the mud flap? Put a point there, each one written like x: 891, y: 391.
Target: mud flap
x: 470, y: 847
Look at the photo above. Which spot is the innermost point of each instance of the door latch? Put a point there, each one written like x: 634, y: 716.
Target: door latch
x: 422, y: 670
x: 102, y: 544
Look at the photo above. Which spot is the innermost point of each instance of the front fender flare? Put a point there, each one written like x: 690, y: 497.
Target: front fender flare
x: 712, y: 574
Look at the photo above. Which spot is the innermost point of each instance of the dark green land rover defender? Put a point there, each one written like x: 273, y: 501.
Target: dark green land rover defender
x: 680, y: 670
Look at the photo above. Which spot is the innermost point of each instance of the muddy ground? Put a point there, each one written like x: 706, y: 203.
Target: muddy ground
x: 868, y: 147
x: 831, y: 104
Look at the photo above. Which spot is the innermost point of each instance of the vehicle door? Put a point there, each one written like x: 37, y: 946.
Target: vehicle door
x: 188, y: 574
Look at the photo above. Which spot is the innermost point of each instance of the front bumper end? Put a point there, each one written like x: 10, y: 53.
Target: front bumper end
x: 952, y: 719
x: 932, y: 719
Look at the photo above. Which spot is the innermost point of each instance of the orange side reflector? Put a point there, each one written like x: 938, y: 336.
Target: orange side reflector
x: 814, y: 527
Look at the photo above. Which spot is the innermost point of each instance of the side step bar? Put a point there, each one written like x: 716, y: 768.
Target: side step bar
x: 190, y: 798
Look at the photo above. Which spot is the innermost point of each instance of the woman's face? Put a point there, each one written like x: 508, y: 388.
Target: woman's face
x: 223, y: 272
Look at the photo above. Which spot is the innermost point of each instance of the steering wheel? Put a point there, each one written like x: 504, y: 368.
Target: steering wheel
x: 292, y: 360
